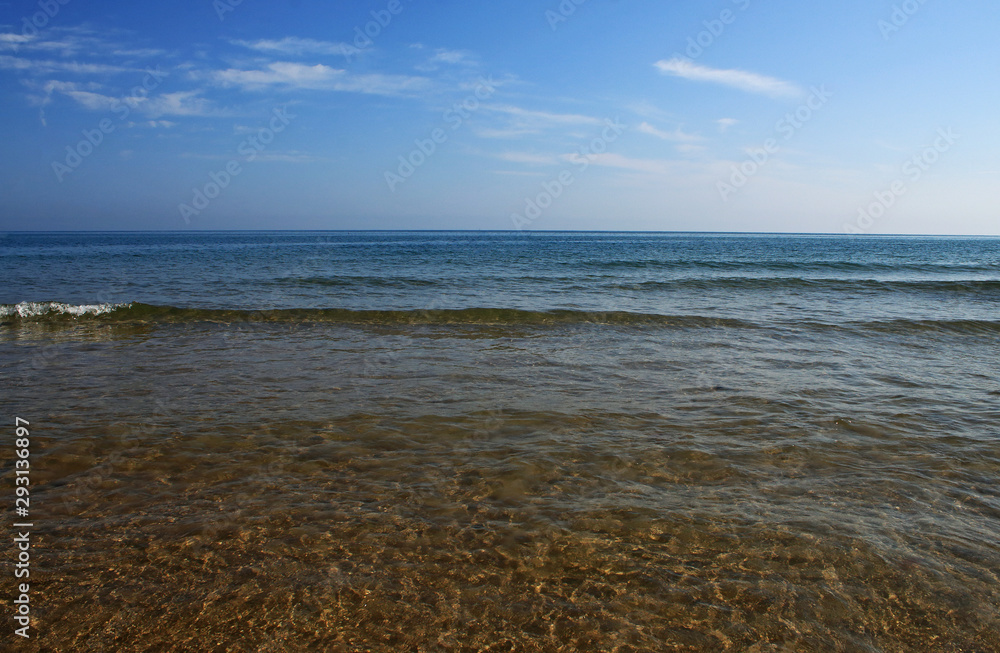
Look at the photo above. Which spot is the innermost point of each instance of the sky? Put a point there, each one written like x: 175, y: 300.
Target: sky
x: 860, y: 116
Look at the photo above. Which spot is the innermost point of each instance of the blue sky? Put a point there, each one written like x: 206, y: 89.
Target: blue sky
x: 732, y: 115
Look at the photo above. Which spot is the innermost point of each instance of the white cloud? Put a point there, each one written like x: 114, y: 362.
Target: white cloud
x: 740, y: 79
x: 316, y: 77
x: 519, y: 173
x: 291, y: 156
x: 520, y: 122
x: 41, y: 67
x: 677, y: 136
x: 181, y: 103
x: 94, y: 101
x: 539, y: 117
x: 652, y: 166
x: 690, y: 148
x: 450, y: 57
x: 73, y: 41
x: 54, y: 85
x: 286, y: 157
x: 140, y: 52
x: 292, y: 45
x: 529, y: 158
x: 154, y: 124
x: 650, y: 111
x: 504, y: 133
x: 725, y: 123
x: 9, y: 40
x: 283, y: 73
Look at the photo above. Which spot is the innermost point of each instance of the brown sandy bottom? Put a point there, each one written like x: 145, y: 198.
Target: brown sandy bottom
x: 436, y: 535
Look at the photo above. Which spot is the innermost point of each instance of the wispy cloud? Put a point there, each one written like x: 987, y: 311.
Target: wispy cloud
x: 13, y: 41
x: 287, y: 157
x: 519, y: 173
x: 650, y: 166
x: 740, y: 79
x: 725, y: 123
x: 53, y: 85
x: 73, y: 42
x: 47, y: 67
x: 450, y: 56
x: 180, y: 103
x: 544, y: 116
x: 690, y: 148
x: 316, y: 77
x: 291, y: 156
x: 279, y: 73
x: 43, y: 93
x: 529, y: 158
x: 677, y: 136
x: 93, y: 101
x: 447, y: 57
x: 291, y: 45
x: 519, y: 122
x: 650, y: 111
x: 504, y: 133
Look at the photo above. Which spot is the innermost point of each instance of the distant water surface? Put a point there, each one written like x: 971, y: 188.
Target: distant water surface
x: 389, y: 441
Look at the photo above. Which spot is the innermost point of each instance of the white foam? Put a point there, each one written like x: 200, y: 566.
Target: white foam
x: 39, y: 309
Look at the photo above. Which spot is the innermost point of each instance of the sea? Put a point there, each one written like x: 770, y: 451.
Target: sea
x: 477, y: 441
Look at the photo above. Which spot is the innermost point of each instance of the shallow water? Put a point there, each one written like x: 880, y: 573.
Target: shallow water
x: 604, y: 442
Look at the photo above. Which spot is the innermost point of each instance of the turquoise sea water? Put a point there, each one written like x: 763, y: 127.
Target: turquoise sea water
x: 398, y: 441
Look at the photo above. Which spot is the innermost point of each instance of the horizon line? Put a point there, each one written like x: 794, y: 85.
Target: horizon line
x: 496, y: 231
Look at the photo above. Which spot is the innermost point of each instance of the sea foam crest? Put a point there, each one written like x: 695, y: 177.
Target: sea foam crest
x: 40, y: 309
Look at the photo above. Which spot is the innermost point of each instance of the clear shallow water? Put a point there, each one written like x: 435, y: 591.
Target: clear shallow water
x: 533, y: 442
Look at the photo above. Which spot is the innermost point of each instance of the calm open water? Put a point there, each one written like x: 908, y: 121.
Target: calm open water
x: 506, y: 442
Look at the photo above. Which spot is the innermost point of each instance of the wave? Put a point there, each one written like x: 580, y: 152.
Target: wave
x: 982, y: 287
x: 958, y: 327
x: 378, y: 282
x: 35, y: 310
x: 147, y: 313
x: 788, y: 266
x: 958, y: 286
x: 138, y: 313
